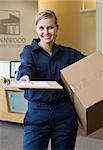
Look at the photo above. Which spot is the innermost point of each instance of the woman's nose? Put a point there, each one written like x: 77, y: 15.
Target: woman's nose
x: 45, y: 30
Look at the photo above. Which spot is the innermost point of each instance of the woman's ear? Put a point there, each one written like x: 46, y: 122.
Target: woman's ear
x: 57, y: 26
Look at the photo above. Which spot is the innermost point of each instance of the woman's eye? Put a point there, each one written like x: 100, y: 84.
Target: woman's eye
x: 50, y: 27
x: 41, y: 28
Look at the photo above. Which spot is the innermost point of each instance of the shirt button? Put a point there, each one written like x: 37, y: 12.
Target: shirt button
x: 50, y: 108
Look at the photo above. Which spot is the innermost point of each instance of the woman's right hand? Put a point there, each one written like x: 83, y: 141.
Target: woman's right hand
x: 24, y: 78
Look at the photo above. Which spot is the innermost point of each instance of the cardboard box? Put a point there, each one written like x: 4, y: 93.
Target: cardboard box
x: 84, y: 82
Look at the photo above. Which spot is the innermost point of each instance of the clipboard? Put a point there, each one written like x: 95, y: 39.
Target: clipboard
x: 35, y: 85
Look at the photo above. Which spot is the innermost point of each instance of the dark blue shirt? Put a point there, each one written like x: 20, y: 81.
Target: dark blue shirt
x: 41, y: 66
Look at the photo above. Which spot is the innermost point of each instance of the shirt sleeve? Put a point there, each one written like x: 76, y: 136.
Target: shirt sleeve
x: 78, y: 55
x: 27, y: 66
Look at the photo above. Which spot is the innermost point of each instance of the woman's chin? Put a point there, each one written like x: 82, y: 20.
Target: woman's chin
x: 48, y: 41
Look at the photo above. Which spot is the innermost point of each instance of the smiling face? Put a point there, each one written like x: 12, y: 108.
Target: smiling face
x: 47, y: 29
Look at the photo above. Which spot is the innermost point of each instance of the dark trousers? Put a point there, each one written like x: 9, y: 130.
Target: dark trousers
x: 56, y: 122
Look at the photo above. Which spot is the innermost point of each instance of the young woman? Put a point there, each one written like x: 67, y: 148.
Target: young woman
x: 50, y: 113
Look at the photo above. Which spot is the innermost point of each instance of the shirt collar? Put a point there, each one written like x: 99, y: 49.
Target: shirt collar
x: 35, y: 46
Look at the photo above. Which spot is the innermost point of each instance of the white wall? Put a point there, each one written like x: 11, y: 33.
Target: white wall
x: 99, y: 25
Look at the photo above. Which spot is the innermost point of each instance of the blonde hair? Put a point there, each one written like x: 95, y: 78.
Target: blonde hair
x: 44, y: 15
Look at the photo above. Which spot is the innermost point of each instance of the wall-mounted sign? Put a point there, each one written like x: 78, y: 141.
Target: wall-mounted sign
x: 16, y: 27
x: 9, y: 22
x: 10, y: 29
